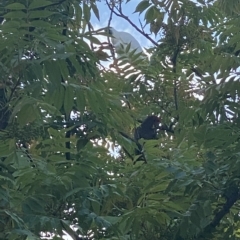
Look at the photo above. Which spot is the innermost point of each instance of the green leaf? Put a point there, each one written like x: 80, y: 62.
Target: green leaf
x: 58, y: 97
x: 81, y: 101
x: 15, y: 6
x: 53, y: 72
x: 57, y: 37
x: 78, y: 13
x: 150, y: 14
x: 73, y: 192
x: 39, y: 4
x: 24, y: 117
x: 86, y: 12
x: 5, y: 151
x: 159, y: 187
x: 40, y: 14
x: 95, y: 10
x: 15, y: 14
x: 63, y: 68
x: 93, y: 39
x: 142, y: 6
x: 162, y: 218
x: 96, y: 207
x: 81, y: 143
x: 40, y: 23
x: 128, y: 48
x: 195, y: 218
x: 92, y: 100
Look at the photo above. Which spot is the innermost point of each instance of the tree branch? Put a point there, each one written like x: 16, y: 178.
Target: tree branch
x: 174, y: 62
x: 231, y: 200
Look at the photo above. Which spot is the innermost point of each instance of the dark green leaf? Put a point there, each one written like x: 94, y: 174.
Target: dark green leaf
x: 142, y: 6
x: 39, y: 4
x: 95, y: 10
x: 15, y: 14
x: 15, y: 6
x: 86, y: 12
x: 40, y: 14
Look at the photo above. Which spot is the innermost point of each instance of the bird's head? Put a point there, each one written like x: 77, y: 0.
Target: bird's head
x: 155, y: 120
x: 151, y: 122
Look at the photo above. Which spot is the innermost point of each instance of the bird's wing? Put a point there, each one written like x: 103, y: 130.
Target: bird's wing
x: 127, y: 38
x: 114, y: 41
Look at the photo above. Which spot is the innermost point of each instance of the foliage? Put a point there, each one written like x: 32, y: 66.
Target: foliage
x: 61, y: 112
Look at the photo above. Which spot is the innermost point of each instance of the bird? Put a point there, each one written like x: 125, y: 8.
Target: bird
x: 148, y: 129
x: 121, y: 41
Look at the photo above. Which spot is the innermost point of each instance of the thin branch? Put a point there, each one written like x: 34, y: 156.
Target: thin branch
x: 108, y: 38
x: 174, y: 62
x: 120, y: 6
x: 128, y: 137
x: 197, y: 72
x: 127, y: 153
x: 142, y: 27
x: 24, y: 149
x: 14, y: 88
x: 175, y: 94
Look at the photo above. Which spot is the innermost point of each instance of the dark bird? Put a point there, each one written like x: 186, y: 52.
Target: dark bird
x: 147, y: 130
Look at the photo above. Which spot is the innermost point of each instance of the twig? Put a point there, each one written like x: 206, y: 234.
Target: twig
x: 175, y: 94
x: 142, y: 25
x: 198, y: 73
x: 174, y: 62
x: 14, y: 88
x: 108, y: 38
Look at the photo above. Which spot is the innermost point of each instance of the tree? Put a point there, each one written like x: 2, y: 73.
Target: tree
x: 61, y: 111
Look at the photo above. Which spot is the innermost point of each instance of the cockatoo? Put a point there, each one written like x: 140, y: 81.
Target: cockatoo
x: 121, y: 41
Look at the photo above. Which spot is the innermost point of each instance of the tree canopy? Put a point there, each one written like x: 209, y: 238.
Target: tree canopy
x: 67, y: 160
